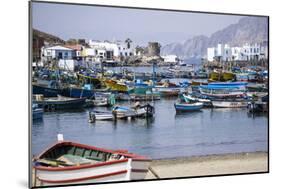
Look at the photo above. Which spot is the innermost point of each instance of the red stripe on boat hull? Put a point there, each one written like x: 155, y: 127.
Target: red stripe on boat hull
x: 80, y: 166
x: 84, y: 178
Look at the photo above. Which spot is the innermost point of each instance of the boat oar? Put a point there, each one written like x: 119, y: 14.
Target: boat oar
x: 153, y: 172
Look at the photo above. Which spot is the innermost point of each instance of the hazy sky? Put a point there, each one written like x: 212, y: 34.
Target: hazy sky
x: 104, y: 23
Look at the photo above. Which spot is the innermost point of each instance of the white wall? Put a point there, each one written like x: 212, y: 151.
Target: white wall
x: 170, y: 58
x: 211, y: 54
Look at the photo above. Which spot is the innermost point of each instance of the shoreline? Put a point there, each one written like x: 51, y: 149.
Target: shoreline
x: 221, y: 164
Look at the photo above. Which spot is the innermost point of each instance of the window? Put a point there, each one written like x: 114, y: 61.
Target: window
x: 121, y: 54
x: 126, y: 54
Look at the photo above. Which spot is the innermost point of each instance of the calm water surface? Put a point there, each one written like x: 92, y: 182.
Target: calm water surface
x: 167, y: 135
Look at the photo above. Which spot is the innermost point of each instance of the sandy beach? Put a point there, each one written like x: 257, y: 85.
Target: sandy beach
x: 210, y: 165
x: 205, y: 165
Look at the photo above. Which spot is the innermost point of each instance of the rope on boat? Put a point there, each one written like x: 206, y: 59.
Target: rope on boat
x: 153, y: 172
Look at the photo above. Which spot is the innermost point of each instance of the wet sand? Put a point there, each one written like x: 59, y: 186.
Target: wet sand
x: 210, y: 165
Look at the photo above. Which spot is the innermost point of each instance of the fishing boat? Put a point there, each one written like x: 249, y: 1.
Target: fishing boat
x: 188, y: 106
x: 138, y: 97
x: 46, y: 90
x: 101, y: 99
x: 167, y: 91
x: 76, y: 92
x: 241, y: 76
x: 137, y: 110
x: 59, y: 103
x: 143, y: 110
x: 122, y: 112
x: 234, y: 103
x: 206, y: 102
x: 221, y: 76
x: 68, y: 162
x: 37, y: 113
x: 116, y: 85
x: 98, y: 115
x: 224, y: 89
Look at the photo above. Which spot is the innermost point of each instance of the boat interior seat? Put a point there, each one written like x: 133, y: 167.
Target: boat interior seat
x: 75, y: 160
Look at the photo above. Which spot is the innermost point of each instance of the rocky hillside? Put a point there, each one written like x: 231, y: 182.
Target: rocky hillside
x: 51, y: 39
x: 247, y: 30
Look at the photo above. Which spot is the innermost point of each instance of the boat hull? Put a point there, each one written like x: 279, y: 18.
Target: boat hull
x: 37, y: 114
x: 121, y: 171
x: 229, y: 104
x: 64, y: 104
x: 77, y: 93
x: 129, y: 167
x: 188, y: 107
x: 46, y: 91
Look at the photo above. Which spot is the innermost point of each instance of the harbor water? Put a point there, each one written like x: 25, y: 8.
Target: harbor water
x: 166, y: 135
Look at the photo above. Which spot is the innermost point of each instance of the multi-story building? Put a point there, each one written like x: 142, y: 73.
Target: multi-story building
x: 246, y: 52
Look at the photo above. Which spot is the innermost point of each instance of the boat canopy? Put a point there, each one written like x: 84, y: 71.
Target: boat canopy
x: 222, y: 86
x: 228, y: 83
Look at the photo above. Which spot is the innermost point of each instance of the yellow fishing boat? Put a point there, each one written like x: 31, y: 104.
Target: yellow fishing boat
x: 221, y: 76
x: 115, y: 85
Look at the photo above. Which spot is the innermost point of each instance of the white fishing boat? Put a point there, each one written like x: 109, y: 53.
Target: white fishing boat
x: 229, y: 103
x: 67, y: 163
x: 206, y: 102
x: 95, y: 115
x: 121, y: 112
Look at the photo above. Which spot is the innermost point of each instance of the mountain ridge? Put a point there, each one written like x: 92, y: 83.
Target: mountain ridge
x: 248, y: 30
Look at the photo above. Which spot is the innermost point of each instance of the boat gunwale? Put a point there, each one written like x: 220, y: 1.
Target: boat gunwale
x: 134, y: 157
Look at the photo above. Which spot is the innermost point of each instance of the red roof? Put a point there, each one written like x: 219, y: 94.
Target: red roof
x: 74, y: 47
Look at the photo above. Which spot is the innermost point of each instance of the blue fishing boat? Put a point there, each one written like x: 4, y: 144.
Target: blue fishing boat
x: 75, y: 92
x: 46, y: 90
x: 188, y: 106
x: 37, y: 113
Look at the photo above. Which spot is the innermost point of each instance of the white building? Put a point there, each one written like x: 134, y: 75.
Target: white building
x: 118, y: 48
x: 170, y: 58
x: 56, y: 52
x: 244, y: 53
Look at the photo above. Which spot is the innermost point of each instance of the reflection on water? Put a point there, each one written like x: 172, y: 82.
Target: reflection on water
x: 168, y: 134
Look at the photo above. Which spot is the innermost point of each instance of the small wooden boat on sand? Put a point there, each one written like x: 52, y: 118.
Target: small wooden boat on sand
x: 73, y: 163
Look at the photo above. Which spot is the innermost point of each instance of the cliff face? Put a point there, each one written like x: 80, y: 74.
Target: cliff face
x: 247, y: 30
